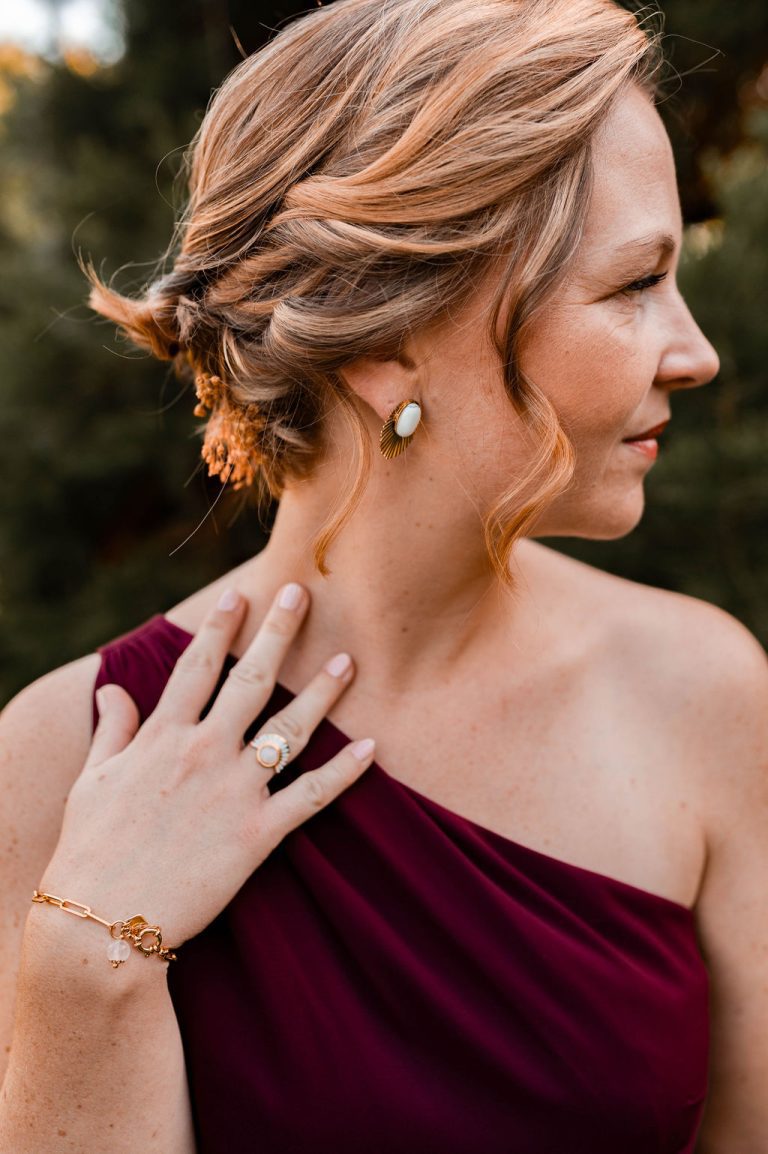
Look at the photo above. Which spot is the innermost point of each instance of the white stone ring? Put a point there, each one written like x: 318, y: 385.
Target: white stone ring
x: 272, y: 751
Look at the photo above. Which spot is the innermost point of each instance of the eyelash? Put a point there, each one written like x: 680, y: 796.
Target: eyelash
x: 645, y: 282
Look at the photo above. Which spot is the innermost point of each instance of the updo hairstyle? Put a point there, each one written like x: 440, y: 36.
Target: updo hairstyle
x: 348, y: 182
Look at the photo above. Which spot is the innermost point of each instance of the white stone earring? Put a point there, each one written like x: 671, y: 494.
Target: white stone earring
x: 398, y: 429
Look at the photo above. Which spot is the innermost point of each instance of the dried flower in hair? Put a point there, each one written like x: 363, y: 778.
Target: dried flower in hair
x: 209, y: 393
x: 232, y: 443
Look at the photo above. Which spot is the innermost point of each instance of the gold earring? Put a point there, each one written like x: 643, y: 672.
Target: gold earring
x: 398, y: 429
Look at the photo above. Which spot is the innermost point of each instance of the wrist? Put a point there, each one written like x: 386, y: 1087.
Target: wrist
x: 68, y: 956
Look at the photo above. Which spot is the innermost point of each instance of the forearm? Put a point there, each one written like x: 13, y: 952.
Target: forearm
x: 96, y: 1059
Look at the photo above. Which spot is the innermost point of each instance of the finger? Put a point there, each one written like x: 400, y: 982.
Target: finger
x: 314, y: 789
x: 118, y: 722
x: 304, y: 713
x: 252, y: 679
x: 195, y: 674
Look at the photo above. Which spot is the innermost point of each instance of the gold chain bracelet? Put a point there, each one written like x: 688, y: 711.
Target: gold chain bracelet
x: 125, y: 934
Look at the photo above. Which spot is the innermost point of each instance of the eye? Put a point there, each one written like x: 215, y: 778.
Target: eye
x: 645, y: 282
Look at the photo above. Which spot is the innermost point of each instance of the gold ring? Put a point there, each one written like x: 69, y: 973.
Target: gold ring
x: 272, y: 751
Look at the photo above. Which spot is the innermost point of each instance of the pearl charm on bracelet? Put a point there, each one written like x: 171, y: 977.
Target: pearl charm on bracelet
x: 118, y: 952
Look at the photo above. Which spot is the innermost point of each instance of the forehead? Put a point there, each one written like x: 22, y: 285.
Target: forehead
x: 634, y: 192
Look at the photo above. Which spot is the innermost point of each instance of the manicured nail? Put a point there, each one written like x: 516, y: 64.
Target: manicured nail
x: 362, y: 750
x: 290, y: 596
x: 229, y: 599
x: 338, y: 665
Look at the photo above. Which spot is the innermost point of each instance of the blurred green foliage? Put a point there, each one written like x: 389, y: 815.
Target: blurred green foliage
x: 108, y: 516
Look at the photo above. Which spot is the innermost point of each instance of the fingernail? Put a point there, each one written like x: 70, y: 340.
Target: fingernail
x: 339, y: 664
x: 362, y: 750
x: 229, y: 599
x: 290, y: 596
x: 101, y: 699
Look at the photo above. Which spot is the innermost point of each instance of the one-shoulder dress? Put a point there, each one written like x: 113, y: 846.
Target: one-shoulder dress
x: 397, y: 979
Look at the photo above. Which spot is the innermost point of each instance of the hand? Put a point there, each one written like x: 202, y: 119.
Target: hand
x: 169, y: 819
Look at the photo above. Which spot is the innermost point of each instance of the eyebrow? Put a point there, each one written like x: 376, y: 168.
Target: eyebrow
x: 653, y: 244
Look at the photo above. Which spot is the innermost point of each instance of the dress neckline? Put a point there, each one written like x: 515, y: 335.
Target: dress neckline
x: 428, y: 803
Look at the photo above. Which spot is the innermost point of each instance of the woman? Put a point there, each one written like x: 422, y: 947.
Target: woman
x: 448, y: 230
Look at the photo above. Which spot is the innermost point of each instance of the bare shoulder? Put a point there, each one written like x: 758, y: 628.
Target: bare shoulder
x: 695, y: 674
x: 699, y: 679
x: 675, y: 649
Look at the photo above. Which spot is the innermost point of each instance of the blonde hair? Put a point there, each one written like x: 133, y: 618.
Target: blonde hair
x: 347, y: 184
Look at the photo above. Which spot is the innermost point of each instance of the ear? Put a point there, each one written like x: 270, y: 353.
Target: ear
x: 383, y: 384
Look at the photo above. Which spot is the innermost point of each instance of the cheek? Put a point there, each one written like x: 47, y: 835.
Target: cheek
x: 589, y: 363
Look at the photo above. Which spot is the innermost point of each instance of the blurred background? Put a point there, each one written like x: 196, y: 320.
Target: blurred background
x: 108, y: 517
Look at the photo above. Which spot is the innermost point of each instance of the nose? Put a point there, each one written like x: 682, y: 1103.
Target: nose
x: 689, y: 360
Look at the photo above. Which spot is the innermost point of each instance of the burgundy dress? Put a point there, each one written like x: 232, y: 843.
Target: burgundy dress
x: 397, y: 979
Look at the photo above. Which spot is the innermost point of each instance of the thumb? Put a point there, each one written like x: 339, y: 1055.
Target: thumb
x: 118, y: 722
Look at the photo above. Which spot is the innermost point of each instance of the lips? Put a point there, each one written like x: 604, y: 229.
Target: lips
x: 648, y: 434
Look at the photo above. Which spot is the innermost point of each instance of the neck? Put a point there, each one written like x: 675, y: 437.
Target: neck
x: 410, y: 595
